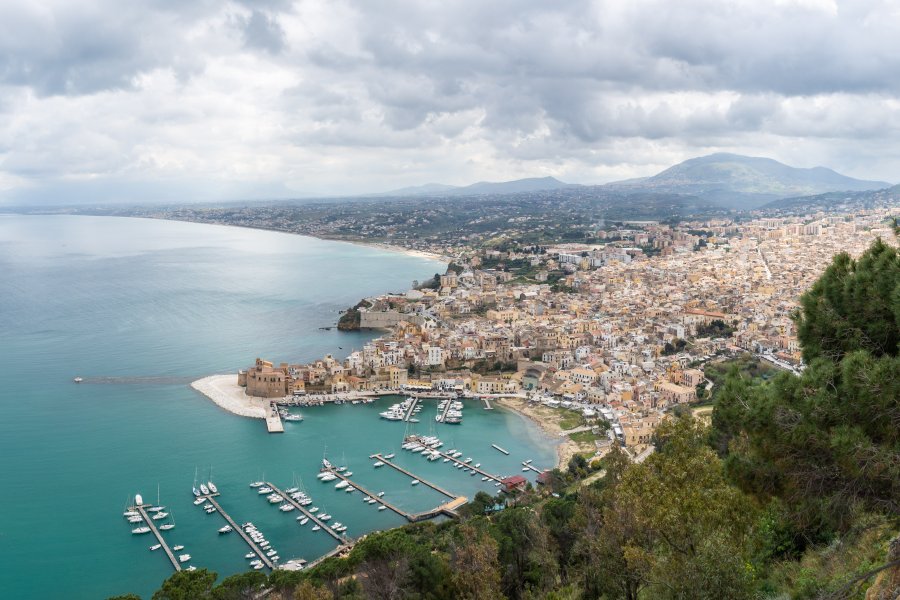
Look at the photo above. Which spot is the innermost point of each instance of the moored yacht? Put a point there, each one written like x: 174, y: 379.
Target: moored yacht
x: 212, y: 487
x: 204, y: 489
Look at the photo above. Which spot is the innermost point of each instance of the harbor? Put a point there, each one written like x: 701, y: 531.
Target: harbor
x: 254, y: 547
x: 141, y: 509
x: 324, y: 526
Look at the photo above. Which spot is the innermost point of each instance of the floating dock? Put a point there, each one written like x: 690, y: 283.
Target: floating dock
x: 441, y: 490
x: 240, y: 530
x: 472, y: 467
x: 498, y: 448
x: 446, y: 410
x: 446, y: 508
x: 411, y: 409
x: 529, y: 466
x: 149, y: 522
x: 312, y: 516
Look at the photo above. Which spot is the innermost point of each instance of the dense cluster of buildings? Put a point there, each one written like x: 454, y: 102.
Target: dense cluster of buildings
x: 624, y: 334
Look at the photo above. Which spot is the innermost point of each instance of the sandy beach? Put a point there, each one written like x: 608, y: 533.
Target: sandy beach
x: 548, y: 420
x: 391, y: 248
x: 224, y: 391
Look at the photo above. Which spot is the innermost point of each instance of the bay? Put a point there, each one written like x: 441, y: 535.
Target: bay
x: 139, y: 308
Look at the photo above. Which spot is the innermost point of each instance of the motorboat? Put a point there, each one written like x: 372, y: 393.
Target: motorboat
x: 389, y: 456
x: 183, y: 558
x: 477, y: 465
x: 140, y: 530
x: 484, y: 478
x: 350, y: 489
x: 78, y: 380
x: 226, y: 529
x: 264, y: 490
x: 316, y: 528
x: 210, y: 510
x: 135, y: 519
x: 250, y: 555
x: 303, y: 520
x: 329, y: 477
x: 257, y: 484
x: 293, y: 417
x: 382, y: 507
x: 380, y: 494
x: 324, y: 517
x: 156, y: 509
x: 341, y: 485
x: 167, y: 526
x: 414, y: 482
x: 177, y: 548
x: 314, y: 509
x: 348, y: 474
x: 286, y: 507
x: 156, y: 546
x: 138, y: 499
x: 131, y: 513
x: 191, y: 568
x: 199, y: 501
x: 292, y: 490
x: 159, y: 515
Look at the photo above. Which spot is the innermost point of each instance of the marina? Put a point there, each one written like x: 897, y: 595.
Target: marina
x: 311, y: 516
x: 142, y: 510
x: 412, y: 476
x: 211, y: 498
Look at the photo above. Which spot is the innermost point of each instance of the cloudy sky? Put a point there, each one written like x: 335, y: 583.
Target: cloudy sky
x: 174, y: 100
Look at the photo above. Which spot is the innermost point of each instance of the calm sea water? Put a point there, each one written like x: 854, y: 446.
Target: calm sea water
x: 139, y: 308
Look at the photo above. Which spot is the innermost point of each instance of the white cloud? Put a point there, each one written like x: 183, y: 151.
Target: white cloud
x: 209, y: 101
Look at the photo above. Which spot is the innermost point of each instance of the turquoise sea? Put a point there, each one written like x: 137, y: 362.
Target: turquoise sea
x: 140, y: 308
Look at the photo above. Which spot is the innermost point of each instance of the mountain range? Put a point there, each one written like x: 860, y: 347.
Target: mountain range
x: 730, y: 181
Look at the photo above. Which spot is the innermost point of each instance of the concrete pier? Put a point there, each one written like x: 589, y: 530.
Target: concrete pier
x: 273, y: 420
x: 142, y: 510
x: 411, y: 409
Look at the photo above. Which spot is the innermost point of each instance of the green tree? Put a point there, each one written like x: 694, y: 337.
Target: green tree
x: 187, y: 585
x: 125, y: 597
x: 476, y: 573
x: 241, y: 586
x: 309, y: 591
x: 854, y: 305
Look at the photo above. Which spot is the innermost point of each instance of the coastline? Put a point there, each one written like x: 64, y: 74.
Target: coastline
x: 566, y: 449
x: 224, y: 391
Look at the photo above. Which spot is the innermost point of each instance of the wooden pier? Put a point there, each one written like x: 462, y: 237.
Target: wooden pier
x: 143, y: 512
x: 301, y: 508
x: 411, y: 410
x: 378, y: 456
x: 240, y: 530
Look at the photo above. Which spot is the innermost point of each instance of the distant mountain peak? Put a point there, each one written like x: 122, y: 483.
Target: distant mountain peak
x: 737, y: 181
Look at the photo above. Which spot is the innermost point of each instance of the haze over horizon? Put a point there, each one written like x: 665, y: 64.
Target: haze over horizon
x: 107, y: 102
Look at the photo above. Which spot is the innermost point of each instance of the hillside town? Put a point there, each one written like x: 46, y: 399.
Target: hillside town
x: 612, y: 332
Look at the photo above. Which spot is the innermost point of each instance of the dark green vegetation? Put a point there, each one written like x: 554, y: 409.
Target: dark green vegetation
x: 791, y: 493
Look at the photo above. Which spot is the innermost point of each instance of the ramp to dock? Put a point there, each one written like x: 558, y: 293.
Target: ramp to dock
x: 143, y: 512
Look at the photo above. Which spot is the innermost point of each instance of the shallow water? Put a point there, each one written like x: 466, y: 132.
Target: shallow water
x: 139, y: 308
